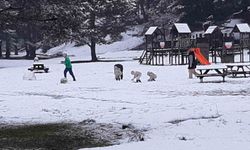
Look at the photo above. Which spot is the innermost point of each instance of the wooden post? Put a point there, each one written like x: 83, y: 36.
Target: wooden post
x: 179, y: 47
x: 241, y: 45
x: 162, y: 58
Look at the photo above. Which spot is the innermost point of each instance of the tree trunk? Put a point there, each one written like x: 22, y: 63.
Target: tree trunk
x: 93, y: 53
x: 27, y: 49
x: 15, y: 47
x: 93, y: 42
x: 1, y: 53
x: 32, y: 52
x: 143, y: 11
x: 16, y: 50
x: 7, y: 56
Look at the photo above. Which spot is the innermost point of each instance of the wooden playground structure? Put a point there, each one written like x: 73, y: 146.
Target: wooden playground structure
x: 169, y: 47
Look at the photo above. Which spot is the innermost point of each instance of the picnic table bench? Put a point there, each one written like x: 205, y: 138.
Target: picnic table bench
x: 212, y: 72
x: 38, y: 68
x: 239, y: 69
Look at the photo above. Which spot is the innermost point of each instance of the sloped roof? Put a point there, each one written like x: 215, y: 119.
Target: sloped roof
x: 210, y: 29
x: 151, y: 30
x: 182, y: 28
x: 243, y: 27
x: 227, y: 30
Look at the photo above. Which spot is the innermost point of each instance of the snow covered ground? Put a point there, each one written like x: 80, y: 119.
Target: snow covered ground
x: 179, y: 113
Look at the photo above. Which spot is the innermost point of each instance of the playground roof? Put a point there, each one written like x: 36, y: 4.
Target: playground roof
x: 151, y: 30
x: 243, y: 28
x: 227, y: 30
x: 210, y: 29
x: 182, y: 28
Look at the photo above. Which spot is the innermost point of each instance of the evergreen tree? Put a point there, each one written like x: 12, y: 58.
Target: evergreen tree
x: 85, y: 22
x: 197, y: 11
x: 102, y: 18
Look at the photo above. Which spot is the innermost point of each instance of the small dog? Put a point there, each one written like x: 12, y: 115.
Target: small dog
x: 118, y: 71
x: 152, y: 76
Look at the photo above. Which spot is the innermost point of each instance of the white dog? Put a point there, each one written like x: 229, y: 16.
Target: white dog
x: 152, y: 76
x: 137, y: 76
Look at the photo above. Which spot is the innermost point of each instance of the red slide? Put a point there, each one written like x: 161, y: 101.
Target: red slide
x: 200, y: 57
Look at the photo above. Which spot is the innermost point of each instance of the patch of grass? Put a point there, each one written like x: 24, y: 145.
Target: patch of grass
x: 47, y: 136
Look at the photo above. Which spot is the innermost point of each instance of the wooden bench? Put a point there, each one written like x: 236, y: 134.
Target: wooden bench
x: 212, y: 72
x: 238, y: 69
x: 235, y: 73
x: 201, y: 76
x: 38, y: 68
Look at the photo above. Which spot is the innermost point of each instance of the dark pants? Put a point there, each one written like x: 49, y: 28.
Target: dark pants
x: 70, y: 72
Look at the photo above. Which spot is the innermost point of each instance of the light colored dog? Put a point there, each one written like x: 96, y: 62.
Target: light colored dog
x: 152, y: 76
x: 137, y: 76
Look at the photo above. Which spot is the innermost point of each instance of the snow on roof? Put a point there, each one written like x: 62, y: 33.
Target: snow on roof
x: 182, y: 28
x: 210, y: 29
x: 227, y: 30
x: 232, y: 22
x: 243, y: 27
x: 151, y: 30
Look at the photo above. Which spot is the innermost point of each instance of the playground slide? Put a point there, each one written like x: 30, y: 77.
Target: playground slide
x: 200, y: 57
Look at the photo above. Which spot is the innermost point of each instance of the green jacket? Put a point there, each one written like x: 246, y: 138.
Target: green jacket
x: 67, y: 62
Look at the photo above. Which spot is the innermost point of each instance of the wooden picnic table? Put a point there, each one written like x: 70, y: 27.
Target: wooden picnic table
x: 38, y: 67
x: 211, y: 71
x: 239, y: 69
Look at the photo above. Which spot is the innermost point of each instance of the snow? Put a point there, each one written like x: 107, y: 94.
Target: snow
x: 243, y: 28
x: 151, y: 30
x: 232, y: 22
x: 182, y: 28
x: 83, y: 52
x: 210, y: 115
x: 210, y: 29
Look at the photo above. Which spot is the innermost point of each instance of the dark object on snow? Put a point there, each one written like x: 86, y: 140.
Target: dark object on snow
x: 182, y: 138
x: 63, y: 80
x: 127, y: 126
x: 118, y: 71
x: 88, y: 122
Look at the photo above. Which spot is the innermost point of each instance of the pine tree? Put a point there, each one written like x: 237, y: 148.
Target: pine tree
x: 102, y: 18
x: 85, y: 22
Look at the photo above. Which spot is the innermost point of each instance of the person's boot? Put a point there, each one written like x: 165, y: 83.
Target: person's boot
x: 138, y: 81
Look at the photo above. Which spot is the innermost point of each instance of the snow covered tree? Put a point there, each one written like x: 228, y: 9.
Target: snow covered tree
x: 85, y: 22
x: 100, y: 19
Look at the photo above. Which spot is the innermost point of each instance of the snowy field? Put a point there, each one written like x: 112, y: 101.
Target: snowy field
x: 179, y: 113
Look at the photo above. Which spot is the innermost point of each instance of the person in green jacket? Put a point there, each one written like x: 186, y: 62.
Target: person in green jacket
x: 68, y: 67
